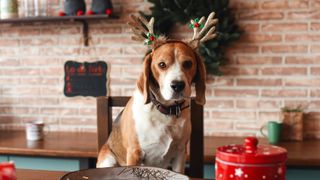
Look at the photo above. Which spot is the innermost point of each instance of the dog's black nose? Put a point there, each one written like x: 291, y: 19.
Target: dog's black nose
x: 177, y: 86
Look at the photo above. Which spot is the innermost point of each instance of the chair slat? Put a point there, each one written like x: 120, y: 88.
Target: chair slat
x: 102, y: 120
x: 196, y: 141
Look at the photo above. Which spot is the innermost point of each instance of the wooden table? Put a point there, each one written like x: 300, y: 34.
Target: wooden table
x: 62, y: 144
x: 67, y: 144
x: 27, y: 174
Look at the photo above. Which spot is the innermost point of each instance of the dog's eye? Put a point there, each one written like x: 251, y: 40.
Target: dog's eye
x: 162, y: 65
x: 187, y: 64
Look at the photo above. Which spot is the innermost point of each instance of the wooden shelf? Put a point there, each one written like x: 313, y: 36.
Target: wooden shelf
x: 82, y: 19
x: 56, y: 18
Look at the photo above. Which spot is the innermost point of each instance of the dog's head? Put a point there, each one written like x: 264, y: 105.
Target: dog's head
x: 172, y: 68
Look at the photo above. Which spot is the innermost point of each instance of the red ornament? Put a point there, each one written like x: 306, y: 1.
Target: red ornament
x: 151, y: 38
x: 61, y: 13
x: 90, y: 12
x: 196, y: 24
x: 108, y: 11
x: 250, y: 161
x: 7, y: 171
x: 80, y: 13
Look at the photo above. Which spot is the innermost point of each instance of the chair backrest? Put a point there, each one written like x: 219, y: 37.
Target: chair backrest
x: 104, y: 125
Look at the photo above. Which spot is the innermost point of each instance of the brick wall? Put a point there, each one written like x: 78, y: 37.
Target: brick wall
x: 275, y: 63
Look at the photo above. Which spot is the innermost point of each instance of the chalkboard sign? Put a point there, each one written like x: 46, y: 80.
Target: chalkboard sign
x: 85, y: 79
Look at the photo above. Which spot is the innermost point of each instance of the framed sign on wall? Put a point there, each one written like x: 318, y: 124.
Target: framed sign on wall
x: 85, y: 79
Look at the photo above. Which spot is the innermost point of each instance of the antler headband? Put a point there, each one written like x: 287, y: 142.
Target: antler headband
x: 204, y: 32
x: 143, y: 30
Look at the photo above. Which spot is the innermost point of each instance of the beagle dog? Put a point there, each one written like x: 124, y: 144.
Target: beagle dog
x: 154, y: 127
x: 150, y: 132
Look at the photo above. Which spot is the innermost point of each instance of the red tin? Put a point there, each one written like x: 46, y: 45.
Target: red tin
x: 250, y: 161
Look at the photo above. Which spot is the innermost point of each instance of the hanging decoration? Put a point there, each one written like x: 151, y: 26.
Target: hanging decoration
x: 101, y: 7
x: 73, y: 8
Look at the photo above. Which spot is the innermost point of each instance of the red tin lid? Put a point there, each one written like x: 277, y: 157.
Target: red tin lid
x: 251, y: 153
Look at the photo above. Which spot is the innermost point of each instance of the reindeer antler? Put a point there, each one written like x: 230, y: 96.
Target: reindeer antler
x: 204, y: 32
x: 142, y: 29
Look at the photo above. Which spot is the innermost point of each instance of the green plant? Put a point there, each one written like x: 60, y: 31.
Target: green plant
x: 298, y: 108
x: 169, y: 12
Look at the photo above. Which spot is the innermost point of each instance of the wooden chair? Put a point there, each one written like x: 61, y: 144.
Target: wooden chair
x: 104, y: 125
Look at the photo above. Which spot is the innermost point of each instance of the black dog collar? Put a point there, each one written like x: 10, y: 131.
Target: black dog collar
x: 168, y: 110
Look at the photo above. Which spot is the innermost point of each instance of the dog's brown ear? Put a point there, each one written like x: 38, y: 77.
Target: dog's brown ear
x: 144, y: 79
x: 200, y: 81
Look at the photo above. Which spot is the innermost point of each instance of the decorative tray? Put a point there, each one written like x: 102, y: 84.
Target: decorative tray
x: 125, y: 173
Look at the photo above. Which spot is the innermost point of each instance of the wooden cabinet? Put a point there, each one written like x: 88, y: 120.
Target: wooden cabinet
x: 47, y: 163
x: 4, y: 158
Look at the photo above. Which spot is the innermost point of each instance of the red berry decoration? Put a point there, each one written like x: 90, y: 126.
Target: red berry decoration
x: 90, y: 12
x: 80, y: 13
x: 108, y: 11
x: 195, y: 24
x: 61, y: 13
x: 151, y: 38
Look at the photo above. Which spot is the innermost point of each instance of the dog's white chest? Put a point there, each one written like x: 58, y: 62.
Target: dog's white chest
x: 161, y: 143
x: 161, y: 137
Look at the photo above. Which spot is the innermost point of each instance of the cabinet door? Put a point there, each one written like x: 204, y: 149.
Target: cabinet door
x: 311, y: 173
x: 46, y: 163
x: 4, y: 158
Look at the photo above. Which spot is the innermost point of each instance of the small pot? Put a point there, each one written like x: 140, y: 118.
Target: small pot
x: 250, y: 161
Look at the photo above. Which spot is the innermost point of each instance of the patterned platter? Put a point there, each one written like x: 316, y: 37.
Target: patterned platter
x: 124, y: 173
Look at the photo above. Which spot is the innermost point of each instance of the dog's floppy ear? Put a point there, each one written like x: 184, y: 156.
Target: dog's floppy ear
x: 144, y: 79
x: 200, y: 81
